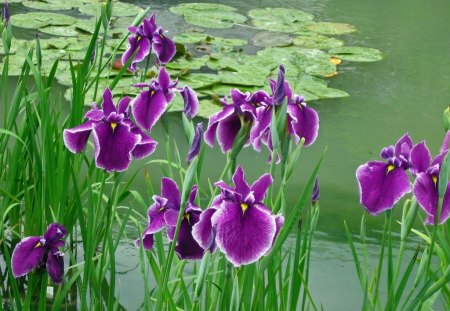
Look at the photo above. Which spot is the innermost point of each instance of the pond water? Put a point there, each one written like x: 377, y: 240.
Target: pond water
x: 406, y: 92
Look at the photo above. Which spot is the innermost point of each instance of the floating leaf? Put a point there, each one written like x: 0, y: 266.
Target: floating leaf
x: 35, y: 20
x: 214, y: 19
x: 269, y: 38
x: 282, y: 15
x: 188, y: 63
x: 328, y: 28
x: 357, y: 54
x: 64, y: 31
x: 199, y: 80
x: 318, y: 42
x: 190, y: 38
x: 40, y: 5
x: 241, y: 78
x: 188, y: 8
x: 119, y: 9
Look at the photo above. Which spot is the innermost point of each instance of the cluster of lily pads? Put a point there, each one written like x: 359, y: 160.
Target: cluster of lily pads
x: 209, y: 64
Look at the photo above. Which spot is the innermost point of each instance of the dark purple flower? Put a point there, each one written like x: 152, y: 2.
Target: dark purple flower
x: 143, y: 38
x: 227, y: 123
x: 196, y: 143
x: 303, y: 121
x: 190, y: 102
x: 150, y: 104
x: 278, y: 87
x: 116, y: 138
x: 316, y: 192
x: 238, y: 221
x: 39, y: 251
x: 383, y: 184
x: 6, y: 14
x: 164, y: 214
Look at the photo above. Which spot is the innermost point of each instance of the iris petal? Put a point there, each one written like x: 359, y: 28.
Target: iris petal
x: 148, y: 107
x: 27, y: 255
x: 420, y: 158
x: 303, y: 122
x: 76, y: 138
x: 55, y: 266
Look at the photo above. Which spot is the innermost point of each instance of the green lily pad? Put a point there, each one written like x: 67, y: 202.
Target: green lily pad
x: 85, y: 25
x: 119, y: 9
x: 241, y: 78
x: 35, y: 20
x: 64, y: 31
x: 315, y: 86
x: 190, y: 38
x: 41, y: 5
x: 269, y: 38
x: 327, y: 28
x: 214, y: 19
x: 274, y: 25
x: 188, y: 63
x: 356, y: 54
x: 199, y: 80
x: 318, y: 42
x: 188, y: 8
x: 282, y: 15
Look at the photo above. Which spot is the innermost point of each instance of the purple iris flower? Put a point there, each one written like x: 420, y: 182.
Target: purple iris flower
x: 316, y: 191
x: 303, y: 121
x: 39, y: 251
x: 426, y: 185
x: 196, y: 143
x: 164, y: 214
x: 190, y: 102
x: 116, y: 138
x: 383, y: 184
x: 228, y: 122
x: 238, y: 221
x: 143, y: 38
x: 150, y: 104
x: 6, y: 14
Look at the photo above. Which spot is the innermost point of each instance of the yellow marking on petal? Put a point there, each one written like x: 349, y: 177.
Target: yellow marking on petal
x: 152, y: 92
x: 390, y: 168
x: 113, y: 125
x: 188, y: 217
x: 335, y: 61
x: 38, y: 245
x: 331, y: 74
x: 435, y: 180
x: 244, y: 207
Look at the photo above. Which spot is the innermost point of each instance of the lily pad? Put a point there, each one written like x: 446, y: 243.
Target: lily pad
x: 35, y: 20
x: 241, y: 78
x: 282, y: 15
x: 214, y: 19
x: 41, y: 5
x: 327, y: 28
x: 275, y: 25
x: 190, y: 38
x: 318, y: 42
x: 63, y: 31
x: 199, y: 80
x: 357, y: 54
x: 269, y: 38
x: 119, y: 9
x: 188, y: 8
x: 188, y: 63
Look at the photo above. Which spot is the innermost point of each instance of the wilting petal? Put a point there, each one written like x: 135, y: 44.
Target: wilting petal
x: 148, y: 107
x: 146, y: 145
x: 190, y: 101
x: 243, y: 237
x: 303, y: 122
x: 187, y: 247
x: 381, y: 186
x: 203, y: 231
x: 55, y: 266
x: 76, y: 138
x: 108, y: 103
x: 113, y: 146
x: 214, y: 120
x: 420, y: 158
x: 164, y: 47
x: 27, y: 255
x: 196, y: 143
x: 169, y: 190
x: 260, y: 187
x: 227, y: 131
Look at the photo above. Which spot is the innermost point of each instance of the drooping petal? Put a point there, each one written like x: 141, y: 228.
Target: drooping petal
x: 420, y: 158
x: 196, y: 143
x: 240, y: 184
x: 55, y: 266
x: 445, y: 211
x: 76, y: 138
x: 190, y: 102
x: 27, y: 255
x: 170, y: 191
x: 279, y: 221
x: 113, y: 146
x: 427, y: 193
x: 108, y: 103
x: 203, y: 231
x: 213, y: 122
x: 164, y: 47
x: 147, y: 240
x: 148, y: 107
x: 146, y: 145
x: 303, y: 122
x: 243, y: 237
x: 136, y: 43
x: 187, y: 247
x: 381, y: 186
x: 227, y: 131
x: 157, y: 221
x: 260, y: 187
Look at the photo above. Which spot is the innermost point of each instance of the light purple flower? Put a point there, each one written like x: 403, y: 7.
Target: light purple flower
x: 116, y: 138
x: 151, y: 103
x: 227, y: 122
x: 38, y: 251
x: 238, y: 221
x: 190, y: 102
x: 164, y: 214
x: 143, y: 38
x: 383, y: 184
x: 196, y: 143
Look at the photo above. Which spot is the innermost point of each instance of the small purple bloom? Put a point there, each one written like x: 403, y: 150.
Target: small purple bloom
x: 6, y: 14
x: 196, y: 143
x: 383, y: 184
x: 39, y: 251
x: 227, y: 122
x: 316, y: 191
x: 238, y: 221
x: 150, y: 104
x: 190, y: 102
x: 143, y: 38
x: 164, y: 214
x: 116, y: 138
